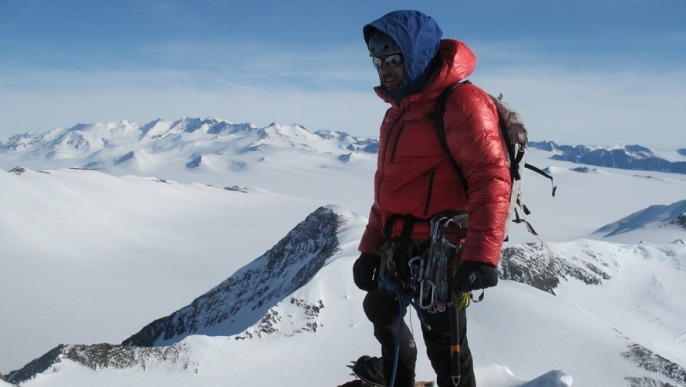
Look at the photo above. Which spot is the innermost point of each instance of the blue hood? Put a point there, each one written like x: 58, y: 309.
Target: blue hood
x: 419, y: 37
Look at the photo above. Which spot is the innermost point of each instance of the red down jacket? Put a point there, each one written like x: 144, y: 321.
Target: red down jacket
x: 415, y: 176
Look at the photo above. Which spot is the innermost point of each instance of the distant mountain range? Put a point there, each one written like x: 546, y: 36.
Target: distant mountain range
x: 207, y: 142
x: 634, y: 157
x: 107, y: 146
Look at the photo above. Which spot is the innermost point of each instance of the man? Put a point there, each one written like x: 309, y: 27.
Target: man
x: 416, y: 180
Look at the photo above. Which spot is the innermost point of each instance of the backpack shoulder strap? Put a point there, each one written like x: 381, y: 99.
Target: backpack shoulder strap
x: 440, y: 128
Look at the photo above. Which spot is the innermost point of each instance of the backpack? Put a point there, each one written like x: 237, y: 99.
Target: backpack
x: 514, y: 134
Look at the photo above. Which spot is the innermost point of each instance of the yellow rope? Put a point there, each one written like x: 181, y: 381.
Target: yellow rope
x: 461, y: 299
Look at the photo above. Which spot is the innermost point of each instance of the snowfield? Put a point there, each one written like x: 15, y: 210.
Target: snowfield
x: 94, y: 256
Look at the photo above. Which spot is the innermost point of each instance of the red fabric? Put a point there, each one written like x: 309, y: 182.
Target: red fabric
x: 415, y: 175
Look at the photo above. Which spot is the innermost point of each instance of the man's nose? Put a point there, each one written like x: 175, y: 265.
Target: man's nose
x: 385, y: 70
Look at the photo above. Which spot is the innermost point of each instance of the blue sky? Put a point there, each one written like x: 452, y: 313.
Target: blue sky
x: 604, y: 72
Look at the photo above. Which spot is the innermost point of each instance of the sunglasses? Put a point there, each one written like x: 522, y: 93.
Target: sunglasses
x: 390, y: 61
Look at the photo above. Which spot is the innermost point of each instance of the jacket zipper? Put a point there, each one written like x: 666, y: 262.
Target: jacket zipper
x: 395, y: 143
x: 432, y: 175
x: 389, y: 139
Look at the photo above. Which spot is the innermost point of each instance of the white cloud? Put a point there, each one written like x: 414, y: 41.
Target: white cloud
x: 604, y: 108
x: 254, y: 83
x: 64, y: 99
x: 332, y: 89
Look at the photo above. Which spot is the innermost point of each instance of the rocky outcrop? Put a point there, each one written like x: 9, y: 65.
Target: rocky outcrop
x: 529, y: 264
x: 105, y: 356
x: 665, y: 372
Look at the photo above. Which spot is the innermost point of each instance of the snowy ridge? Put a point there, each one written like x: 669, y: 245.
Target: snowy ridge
x: 670, y: 217
x: 245, y: 297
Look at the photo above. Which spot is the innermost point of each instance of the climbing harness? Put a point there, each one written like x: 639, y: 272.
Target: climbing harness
x: 423, y: 282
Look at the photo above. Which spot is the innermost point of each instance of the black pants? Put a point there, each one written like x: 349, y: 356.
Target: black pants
x: 382, y: 309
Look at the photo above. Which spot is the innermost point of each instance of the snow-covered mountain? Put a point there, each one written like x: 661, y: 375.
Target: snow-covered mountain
x: 93, y: 259
x: 658, y: 219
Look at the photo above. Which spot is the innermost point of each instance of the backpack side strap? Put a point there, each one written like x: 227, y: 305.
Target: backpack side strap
x: 542, y: 173
x: 440, y: 128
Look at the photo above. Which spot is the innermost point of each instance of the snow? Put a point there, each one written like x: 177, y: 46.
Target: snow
x: 91, y: 257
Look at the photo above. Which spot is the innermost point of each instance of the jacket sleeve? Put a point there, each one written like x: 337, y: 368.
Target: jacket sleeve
x: 471, y: 125
x: 373, y: 237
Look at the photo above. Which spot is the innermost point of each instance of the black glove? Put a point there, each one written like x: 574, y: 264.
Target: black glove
x: 472, y: 275
x: 365, y: 271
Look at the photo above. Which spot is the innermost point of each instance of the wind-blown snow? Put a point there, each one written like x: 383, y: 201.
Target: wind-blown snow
x: 91, y: 257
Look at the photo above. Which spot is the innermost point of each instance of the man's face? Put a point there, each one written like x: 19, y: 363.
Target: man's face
x: 390, y: 69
